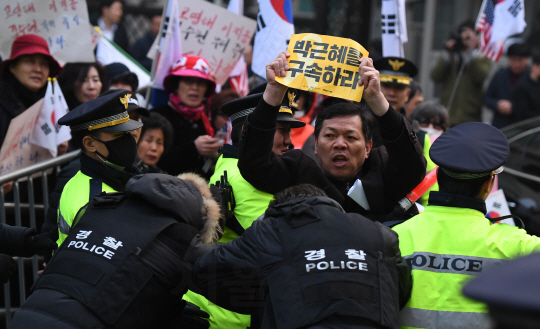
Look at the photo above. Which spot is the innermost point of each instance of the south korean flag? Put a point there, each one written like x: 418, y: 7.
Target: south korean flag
x: 394, y: 28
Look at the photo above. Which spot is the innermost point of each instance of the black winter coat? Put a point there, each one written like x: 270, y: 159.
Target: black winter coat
x: 526, y: 99
x: 390, y: 172
x: 501, y: 87
x: 142, y: 288
x: 265, y: 268
x: 12, y: 239
x: 14, y: 100
x: 182, y: 155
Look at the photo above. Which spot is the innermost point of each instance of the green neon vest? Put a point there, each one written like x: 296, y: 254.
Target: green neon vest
x: 76, y: 193
x: 250, y: 204
x: 446, y: 247
x: 429, y: 167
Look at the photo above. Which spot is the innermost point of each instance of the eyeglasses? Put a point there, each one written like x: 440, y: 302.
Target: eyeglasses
x: 436, y: 122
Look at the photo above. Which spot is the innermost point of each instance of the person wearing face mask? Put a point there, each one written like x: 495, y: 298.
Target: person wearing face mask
x: 432, y: 118
x: 135, y: 112
x: 101, y: 128
x: 189, y: 84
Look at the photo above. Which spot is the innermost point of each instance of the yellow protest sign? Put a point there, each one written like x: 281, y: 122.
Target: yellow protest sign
x: 324, y: 64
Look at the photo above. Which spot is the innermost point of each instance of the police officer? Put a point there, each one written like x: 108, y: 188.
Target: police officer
x: 511, y: 292
x: 308, y: 264
x: 101, y: 129
x: 249, y: 203
x: 452, y: 240
x: 122, y: 265
x: 396, y: 76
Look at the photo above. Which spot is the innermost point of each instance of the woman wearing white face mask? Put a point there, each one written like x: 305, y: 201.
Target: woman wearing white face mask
x: 432, y: 118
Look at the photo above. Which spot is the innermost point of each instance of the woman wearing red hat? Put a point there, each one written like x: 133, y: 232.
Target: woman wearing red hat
x: 189, y: 84
x: 24, y: 77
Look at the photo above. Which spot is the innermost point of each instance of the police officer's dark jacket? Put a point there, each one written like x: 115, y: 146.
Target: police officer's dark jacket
x: 309, y: 264
x: 122, y: 265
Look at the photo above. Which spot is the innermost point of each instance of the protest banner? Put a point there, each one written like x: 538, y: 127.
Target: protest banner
x: 62, y: 23
x: 17, y: 152
x: 214, y: 33
x: 324, y: 64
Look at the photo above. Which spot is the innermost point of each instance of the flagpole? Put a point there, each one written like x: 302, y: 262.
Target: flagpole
x: 154, y: 62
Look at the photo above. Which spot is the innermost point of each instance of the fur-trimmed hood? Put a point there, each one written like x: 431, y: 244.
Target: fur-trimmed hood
x: 186, y: 197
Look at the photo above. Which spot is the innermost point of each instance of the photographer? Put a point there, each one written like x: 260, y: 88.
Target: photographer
x: 462, y: 69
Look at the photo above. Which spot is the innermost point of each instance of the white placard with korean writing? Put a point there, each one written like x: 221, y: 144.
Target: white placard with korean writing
x: 214, y: 33
x: 17, y: 152
x: 62, y: 23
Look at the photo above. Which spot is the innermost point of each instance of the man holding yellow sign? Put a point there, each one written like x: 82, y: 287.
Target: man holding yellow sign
x: 363, y: 180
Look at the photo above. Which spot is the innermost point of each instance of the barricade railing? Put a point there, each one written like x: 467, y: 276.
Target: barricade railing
x: 38, y: 170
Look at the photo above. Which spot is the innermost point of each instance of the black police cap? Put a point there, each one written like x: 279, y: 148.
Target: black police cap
x: 260, y: 88
x: 395, y: 70
x: 106, y: 113
x: 288, y: 107
x: 133, y: 103
x: 238, y: 109
x: 470, y: 150
x: 512, y: 286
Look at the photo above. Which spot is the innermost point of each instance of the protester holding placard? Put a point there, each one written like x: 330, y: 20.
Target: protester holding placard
x: 363, y: 180
x: 189, y: 84
x: 81, y: 82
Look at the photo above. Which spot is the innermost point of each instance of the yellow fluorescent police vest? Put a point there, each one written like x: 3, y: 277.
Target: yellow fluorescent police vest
x: 446, y: 247
x: 76, y: 194
x: 430, y: 165
x: 250, y: 204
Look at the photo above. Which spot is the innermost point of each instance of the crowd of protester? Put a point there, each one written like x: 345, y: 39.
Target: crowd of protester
x: 270, y: 141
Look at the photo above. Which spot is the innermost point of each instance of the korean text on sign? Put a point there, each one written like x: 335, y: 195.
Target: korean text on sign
x: 214, y: 33
x: 63, y: 24
x: 324, y: 64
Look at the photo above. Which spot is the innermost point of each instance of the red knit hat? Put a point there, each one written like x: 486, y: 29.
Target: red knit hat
x: 190, y: 66
x: 30, y: 44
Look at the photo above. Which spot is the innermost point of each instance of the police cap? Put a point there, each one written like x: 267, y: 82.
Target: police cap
x: 395, y: 70
x: 107, y: 113
x: 133, y: 103
x: 238, y: 109
x: 470, y: 150
x: 289, y: 105
x: 512, y: 286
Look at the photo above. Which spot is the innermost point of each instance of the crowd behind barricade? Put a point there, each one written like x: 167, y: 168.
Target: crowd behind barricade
x: 301, y: 190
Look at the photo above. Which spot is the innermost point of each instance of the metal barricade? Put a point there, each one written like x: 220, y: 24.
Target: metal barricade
x: 30, y: 208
